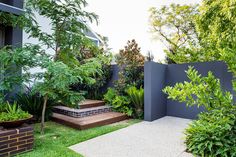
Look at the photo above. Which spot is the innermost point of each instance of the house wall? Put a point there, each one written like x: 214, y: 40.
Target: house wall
x: 13, y: 36
x: 157, y: 76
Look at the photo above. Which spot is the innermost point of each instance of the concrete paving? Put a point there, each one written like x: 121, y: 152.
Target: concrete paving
x: 160, y: 138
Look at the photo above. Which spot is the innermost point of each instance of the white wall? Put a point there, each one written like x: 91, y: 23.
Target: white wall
x: 44, y: 23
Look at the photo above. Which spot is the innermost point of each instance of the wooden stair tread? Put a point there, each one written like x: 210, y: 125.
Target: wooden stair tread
x: 91, y: 103
x: 91, y: 121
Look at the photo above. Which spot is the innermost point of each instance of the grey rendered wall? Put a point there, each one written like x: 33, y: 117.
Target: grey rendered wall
x: 156, y: 104
x: 154, y: 98
x: 176, y: 73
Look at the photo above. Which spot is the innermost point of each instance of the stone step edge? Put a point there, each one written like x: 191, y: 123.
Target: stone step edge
x: 80, y: 113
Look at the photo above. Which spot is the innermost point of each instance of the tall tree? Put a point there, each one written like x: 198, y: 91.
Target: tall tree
x: 174, y: 26
x: 216, y: 26
x: 213, y: 23
x: 67, y: 23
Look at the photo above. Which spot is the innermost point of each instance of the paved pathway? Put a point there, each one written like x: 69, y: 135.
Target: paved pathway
x: 160, y: 138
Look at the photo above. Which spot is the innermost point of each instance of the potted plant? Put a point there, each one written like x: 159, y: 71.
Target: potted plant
x: 12, y: 116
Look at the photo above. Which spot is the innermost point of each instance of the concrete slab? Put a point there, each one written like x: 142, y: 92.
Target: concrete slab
x: 160, y: 138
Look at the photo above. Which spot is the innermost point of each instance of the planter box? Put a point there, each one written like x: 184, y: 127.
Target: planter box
x: 15, y: 141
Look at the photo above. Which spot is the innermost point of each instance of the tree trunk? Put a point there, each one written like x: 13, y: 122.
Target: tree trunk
x: 43, y: 113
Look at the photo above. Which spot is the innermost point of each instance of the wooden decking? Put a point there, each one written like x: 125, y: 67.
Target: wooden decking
x: 89, y: 122
x: 92, y: 113
x: 91, y: 103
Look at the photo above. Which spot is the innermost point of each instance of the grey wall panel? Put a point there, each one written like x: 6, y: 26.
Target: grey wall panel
x: 154, y: 98
x: 158, y: 76
x: 176, y: 73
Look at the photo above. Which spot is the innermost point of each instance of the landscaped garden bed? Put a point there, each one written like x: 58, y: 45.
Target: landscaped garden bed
x: 17, y: 140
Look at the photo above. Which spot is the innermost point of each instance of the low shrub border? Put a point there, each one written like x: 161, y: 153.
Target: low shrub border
x: 15, y: 141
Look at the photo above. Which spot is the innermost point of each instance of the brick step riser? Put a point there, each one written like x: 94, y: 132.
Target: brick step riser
x: 82, y: 114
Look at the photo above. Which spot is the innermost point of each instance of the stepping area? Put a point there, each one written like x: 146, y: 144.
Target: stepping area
x: 160, y: 138
x: 92, y: 113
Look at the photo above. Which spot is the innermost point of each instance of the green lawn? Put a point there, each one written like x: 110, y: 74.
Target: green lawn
x: 58, y: 138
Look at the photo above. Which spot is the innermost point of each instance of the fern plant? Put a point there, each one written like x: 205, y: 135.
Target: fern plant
x: 137, y: 98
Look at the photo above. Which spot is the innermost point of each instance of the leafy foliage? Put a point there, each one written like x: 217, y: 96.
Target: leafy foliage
x: 213, y: 134
x: 212, y: 25
x: 122, y: 104
x: 12, y: 61
x: 94, y: 91
x: 110, y: 95
x: 13, y: 112
x: 119, y: 103
x: 216, y: 26
x: 67, y: 23
x: 56, y: 83
x: 137, y: 98
x: 200, y: 91
x: 67, y: 39
x: 174, y: 26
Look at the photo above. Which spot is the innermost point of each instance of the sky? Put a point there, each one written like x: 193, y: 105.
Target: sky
x: 123, y: 20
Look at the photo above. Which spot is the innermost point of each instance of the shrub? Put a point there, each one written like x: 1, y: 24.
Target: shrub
x: 13, y: 112
x: 122, y: 104
x: 110, y: 95
x: 213, y: 134
x: 95, y: 91
x: 130, y: 62
x: 119, y: 103
x: 200, y: 91
x: 137, y: 98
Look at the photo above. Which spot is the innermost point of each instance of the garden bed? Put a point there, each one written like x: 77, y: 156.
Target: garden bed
x: 16, y: 141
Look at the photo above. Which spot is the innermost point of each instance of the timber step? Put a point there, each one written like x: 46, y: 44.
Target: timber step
x: 79, y: 113
x: 89, y: 122
x: 91, y: 103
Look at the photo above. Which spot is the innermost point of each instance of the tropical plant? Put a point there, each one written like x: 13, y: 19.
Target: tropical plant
x: 33, y: 104
x: 110, y: 95
x: 122, y: 104
x: 118, y: 103
x: 213, y: 134
x: 13, y: 112
x: 137, y: 98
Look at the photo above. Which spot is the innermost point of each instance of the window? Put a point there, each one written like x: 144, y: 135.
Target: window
x: 2, y: 36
